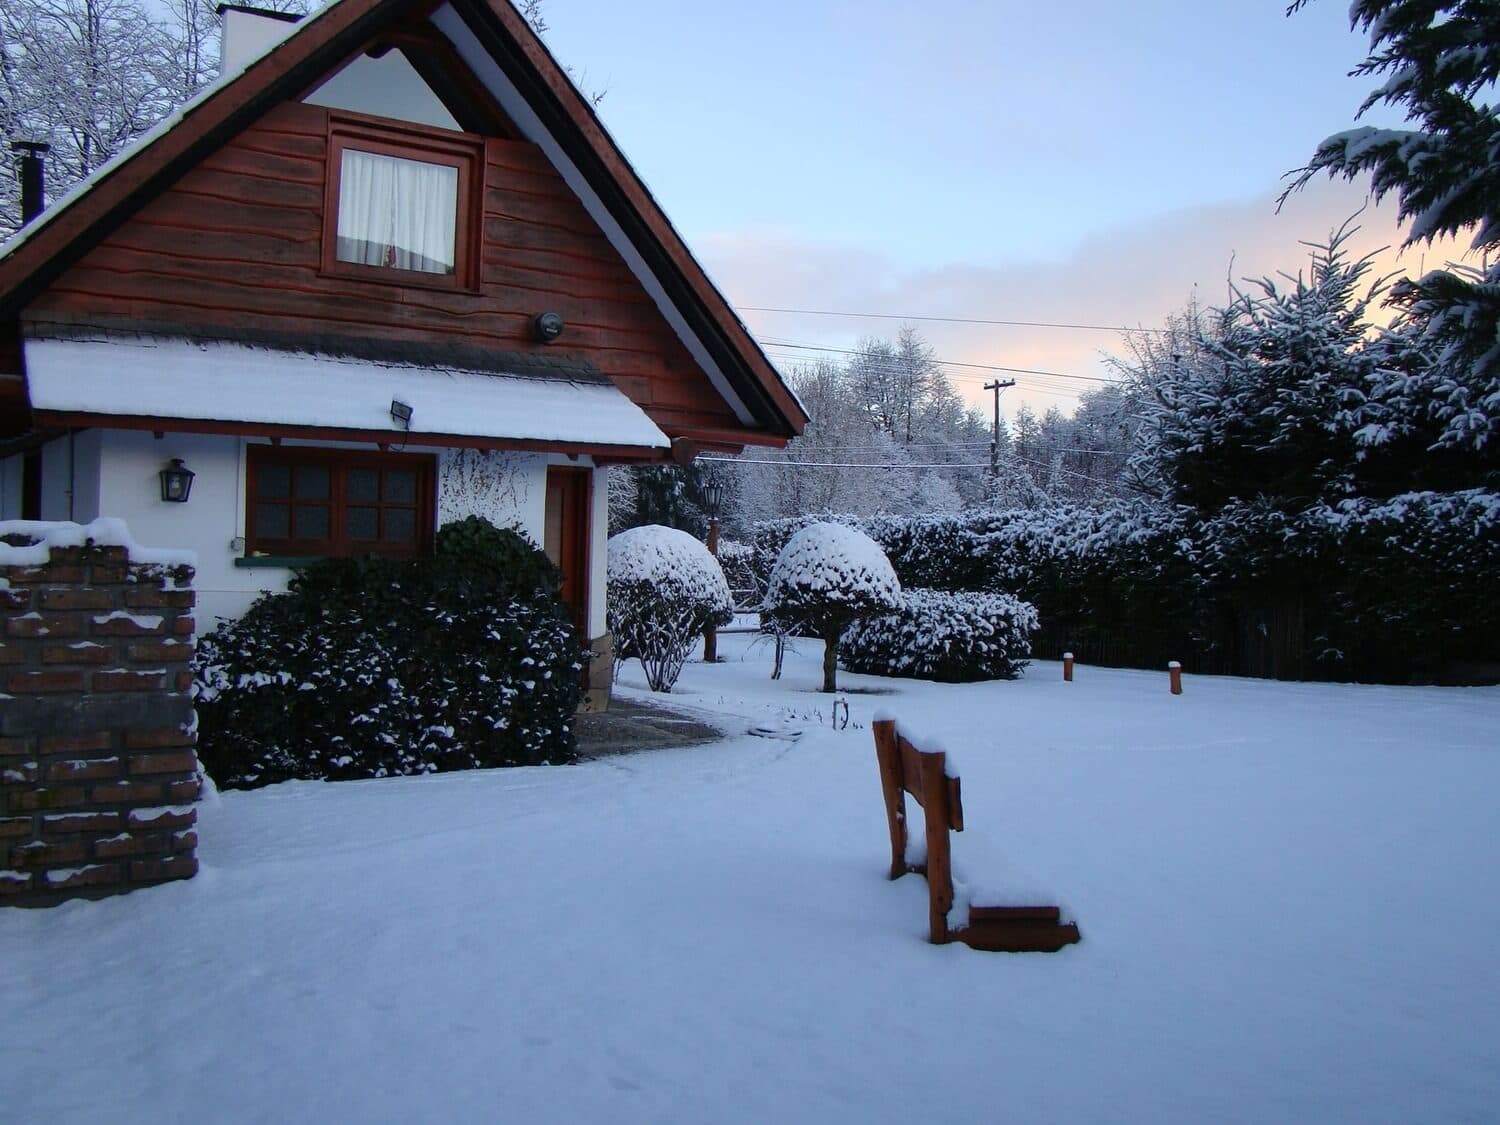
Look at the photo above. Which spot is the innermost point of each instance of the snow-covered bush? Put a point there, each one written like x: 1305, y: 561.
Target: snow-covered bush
x: 827, y: 576
x: 664, y: 590
x: 936, y: 635
x: 374, y: 667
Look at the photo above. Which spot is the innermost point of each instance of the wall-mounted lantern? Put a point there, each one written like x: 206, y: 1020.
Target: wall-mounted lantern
x: 546, y: 327
x: 176, y: 482
x: 401, y: 413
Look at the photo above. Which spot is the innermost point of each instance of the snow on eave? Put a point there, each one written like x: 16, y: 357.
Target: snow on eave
x: 136, y: 147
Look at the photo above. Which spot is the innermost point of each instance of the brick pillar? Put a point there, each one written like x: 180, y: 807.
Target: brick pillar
x: 98, y: 773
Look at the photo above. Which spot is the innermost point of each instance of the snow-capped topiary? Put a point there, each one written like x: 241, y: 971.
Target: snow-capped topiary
x: 948, y: 637
x: 664, y: 590
x: 828, y: 575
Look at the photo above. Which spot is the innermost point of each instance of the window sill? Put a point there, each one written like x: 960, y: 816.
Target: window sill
x: 284, y: 561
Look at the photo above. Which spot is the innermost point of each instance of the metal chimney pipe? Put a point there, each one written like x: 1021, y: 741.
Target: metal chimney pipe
x: 31, y: 171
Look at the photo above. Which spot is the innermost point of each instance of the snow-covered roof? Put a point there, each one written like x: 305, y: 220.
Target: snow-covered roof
x: 153, y: 377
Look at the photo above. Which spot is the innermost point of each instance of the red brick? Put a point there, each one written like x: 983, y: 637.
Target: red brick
x: 49, y: 625
x: 110, y: 573
x: 145, y: 598
x: 155, y: 870
x: 185, y: 841
x: 45, y: 683
x: 111, y: 626
x: 180, y: 791
x: 162, y: 738
x: 76, y: 743
x: 14, y: 883
x: 39, y: 800
x: 127, y: 844
x: 14, y: 827
x: 79, y: 653
x: 163, y: 652
x: 56, y: 573
x: 126, y: 793
x: 83, y: 769
x: 162, y: 819
x: 183, y: 762
x: 184, y: 680
x: 184, y: 626
x: 94, y: 875
x: 36, y: 855
x: 14, y: 747
x: 76, y: 599
x: 11, y: 654
x: 14, y: 599
x: 63, y: 823
x: 117, y: 680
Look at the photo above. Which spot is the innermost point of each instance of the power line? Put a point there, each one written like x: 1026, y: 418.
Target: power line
x: 1031, y: 384
x: 953, y: 319
x: 944, y: 362
x: 845, y: 464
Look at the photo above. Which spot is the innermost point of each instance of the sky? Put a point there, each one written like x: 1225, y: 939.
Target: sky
x: 1089, y: 162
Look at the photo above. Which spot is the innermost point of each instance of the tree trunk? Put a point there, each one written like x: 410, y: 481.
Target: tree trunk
x: 831, y: 660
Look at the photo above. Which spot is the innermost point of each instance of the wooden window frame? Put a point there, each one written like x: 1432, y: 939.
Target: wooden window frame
x: 463, y: 151
x: 339, y: 462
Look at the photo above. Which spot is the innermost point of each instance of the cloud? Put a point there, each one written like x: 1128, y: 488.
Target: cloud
x: 1131, y: 276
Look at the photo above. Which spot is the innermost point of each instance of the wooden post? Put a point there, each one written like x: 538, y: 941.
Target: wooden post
x: 1067, y: 667
x: 1174, y: 670
x: 939, y: 858
x: 895, y: 791
x: 711, y: 632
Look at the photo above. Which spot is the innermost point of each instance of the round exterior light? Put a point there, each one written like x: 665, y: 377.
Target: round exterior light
x: 547, y: 327
x: 176, y: 482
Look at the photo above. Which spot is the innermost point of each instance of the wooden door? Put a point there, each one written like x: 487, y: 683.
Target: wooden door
x: 566, y: 538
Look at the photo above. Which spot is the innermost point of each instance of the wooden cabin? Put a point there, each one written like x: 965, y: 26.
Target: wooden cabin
x: 390, y: 271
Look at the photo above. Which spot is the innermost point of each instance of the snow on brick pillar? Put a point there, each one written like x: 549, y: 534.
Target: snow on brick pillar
x: 98, y: 772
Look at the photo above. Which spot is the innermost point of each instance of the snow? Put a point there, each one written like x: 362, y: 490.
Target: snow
x: 833, y: 559
x: 1286, y: 895
x: 103, y: 532
x: 665, y: 556
x: 212, y: 380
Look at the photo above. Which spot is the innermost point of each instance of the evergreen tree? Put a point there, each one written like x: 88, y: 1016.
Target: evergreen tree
x: 1437, y: 57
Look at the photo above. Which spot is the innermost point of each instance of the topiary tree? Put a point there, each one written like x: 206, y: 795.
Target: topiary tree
x: 664, y: 590
x: 951, y: 638
x: 827, y: 576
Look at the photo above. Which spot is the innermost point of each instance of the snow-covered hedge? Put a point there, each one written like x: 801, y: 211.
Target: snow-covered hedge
x: 828, y: 575
x: 664, y: 590
x: 372, y: 668
x: 936, y: 635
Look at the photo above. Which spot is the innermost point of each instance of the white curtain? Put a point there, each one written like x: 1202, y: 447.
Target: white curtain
x: 397, y: 213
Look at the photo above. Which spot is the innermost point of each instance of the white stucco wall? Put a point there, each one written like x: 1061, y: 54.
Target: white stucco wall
x: 114, y: 473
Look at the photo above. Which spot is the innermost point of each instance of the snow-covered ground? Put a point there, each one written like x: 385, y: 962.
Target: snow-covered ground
x: 1288, y: 897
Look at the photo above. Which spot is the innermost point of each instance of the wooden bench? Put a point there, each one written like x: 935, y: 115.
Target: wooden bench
x: 905, y: 769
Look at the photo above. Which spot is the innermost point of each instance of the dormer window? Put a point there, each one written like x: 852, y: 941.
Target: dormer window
x: 401, y: 204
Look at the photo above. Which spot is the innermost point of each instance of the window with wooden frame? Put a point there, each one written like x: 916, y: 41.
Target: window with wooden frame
x: 402, y: 204
x: 320, y: 503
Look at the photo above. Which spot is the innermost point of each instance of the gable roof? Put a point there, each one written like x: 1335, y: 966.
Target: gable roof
x: 518, y: 70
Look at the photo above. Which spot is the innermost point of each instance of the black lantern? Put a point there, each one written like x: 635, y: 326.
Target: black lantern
x: 401, y: 413
x: 713, y: 495
x: 176, y: 482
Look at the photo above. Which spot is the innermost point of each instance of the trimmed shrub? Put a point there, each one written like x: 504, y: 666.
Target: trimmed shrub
x: 664, y: 590
x: 375, y: 667
x: 827, y: 576
x: 937, y: 635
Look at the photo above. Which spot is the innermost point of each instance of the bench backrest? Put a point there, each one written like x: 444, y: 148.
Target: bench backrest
x: 905, y: 769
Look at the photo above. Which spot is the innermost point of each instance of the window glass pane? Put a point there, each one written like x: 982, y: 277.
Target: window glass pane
x: 364, y: 484
x: 401, y: 214
x: 363, y: 523
x: 274, y: 482
x: 312, y: 482
x: 272, y: 521
x: 400, y: 487
x: 310, y: 522
x: 400, y: 525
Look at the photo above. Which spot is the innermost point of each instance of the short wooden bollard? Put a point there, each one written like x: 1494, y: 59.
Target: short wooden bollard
x: 1174, y: 670
x: 1067, y: 667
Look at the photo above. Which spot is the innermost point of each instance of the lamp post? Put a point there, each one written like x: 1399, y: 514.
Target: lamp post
x: 713, y: 495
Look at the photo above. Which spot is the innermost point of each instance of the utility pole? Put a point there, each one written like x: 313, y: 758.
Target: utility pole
x: 997, y: 386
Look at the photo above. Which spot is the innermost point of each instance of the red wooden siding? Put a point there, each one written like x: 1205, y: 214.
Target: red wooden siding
x: 237, y: 243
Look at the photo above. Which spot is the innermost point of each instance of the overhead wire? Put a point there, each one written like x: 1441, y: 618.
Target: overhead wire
x: 950, y: 319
